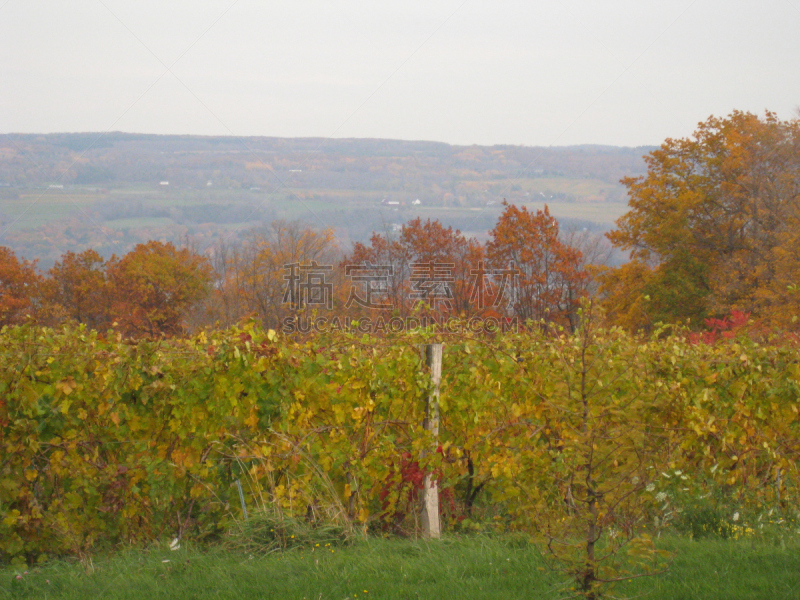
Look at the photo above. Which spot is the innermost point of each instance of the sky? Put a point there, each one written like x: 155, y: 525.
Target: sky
x: 617, y: 72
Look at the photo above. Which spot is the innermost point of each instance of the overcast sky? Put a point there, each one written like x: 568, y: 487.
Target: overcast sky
x: 564, y: 72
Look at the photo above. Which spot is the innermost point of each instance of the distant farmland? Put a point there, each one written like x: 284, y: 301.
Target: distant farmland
x: 124, y: 189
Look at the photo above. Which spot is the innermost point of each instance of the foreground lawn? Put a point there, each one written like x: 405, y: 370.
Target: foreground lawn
x: 468, y: 568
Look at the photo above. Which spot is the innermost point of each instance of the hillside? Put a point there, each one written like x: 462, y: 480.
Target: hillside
x: 62, y: 192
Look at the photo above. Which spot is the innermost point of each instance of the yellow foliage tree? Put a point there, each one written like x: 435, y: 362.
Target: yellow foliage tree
x: 712, y: 225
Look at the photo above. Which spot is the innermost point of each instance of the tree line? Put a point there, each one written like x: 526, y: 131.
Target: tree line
x: 712, y: 231
x: 288, y: 269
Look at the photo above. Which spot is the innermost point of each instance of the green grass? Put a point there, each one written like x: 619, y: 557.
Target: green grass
x: 456, y: 567
x: 712, y: 569
x: 453, y: 568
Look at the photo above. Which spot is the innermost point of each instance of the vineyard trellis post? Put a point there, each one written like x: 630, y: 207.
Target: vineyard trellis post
x: 430, y: 489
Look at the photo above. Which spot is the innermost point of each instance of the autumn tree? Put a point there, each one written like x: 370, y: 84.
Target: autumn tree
x: 255, y: 274
x: 384, y: 259
x: 152, y: 287
x: 431, y: 243
x: 76, y: 289
x: 19, y: 287
x: 713, y: 226
x: 543, y: 276
x: 430, y: 264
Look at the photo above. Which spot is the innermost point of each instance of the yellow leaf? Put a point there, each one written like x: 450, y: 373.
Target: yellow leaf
x: 11, y: 518
x: 115, y: 418
x: 66, y: 386
x: 252, y: 420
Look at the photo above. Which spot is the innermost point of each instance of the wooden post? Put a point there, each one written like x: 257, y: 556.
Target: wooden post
x: 430, y: 490
x: 241, y: 499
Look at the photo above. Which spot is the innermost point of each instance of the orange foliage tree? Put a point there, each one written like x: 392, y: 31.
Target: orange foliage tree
x: 19, y: 287
x: 429, y: 263
x: 547, y: 280
x: 430, y: 242
x: 76, y: 289
x: 713, y: 226
x: 391, y: 270
x: 153, y: 286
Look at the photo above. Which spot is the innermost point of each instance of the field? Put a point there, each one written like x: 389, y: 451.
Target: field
x: 467, y: 567
x: 42, y: 224
x: 35, y: 208
x: 589, y: 200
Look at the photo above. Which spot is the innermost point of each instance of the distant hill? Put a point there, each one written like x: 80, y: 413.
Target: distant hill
x: 124, y: 158
x: 63, y: 192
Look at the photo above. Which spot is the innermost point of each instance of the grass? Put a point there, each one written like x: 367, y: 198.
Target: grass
x: 712, y: 569
x: 453, y: 568
x: 477, y: 567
